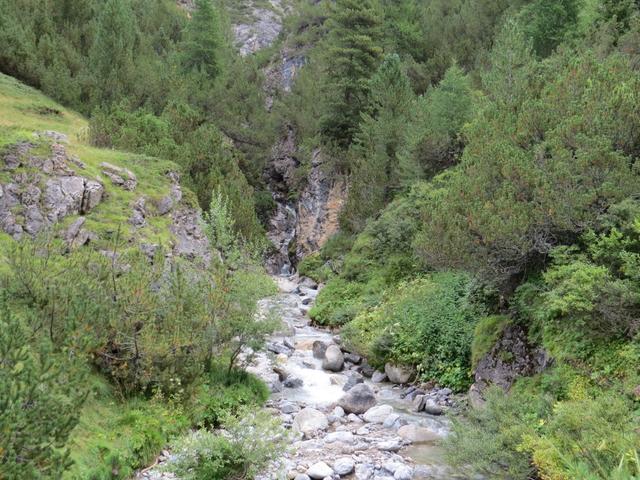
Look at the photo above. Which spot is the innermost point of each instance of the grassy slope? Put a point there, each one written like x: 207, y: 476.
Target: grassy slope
x: 113, y: 437
x: 24, y: 110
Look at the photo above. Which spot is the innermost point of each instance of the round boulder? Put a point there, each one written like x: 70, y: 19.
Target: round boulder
x: 378, y: 414
x: 309, y: 420
x: 333, y: 359
x: 318, y: 348
x: 358, y: 400
x: 320, y: 470
x: 398, y: 373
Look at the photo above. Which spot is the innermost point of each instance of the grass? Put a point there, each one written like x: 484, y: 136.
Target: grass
x: 24, y: 111
x: 115, y: 437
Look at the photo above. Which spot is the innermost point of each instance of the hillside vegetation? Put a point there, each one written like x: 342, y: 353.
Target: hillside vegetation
x: 489, y: 240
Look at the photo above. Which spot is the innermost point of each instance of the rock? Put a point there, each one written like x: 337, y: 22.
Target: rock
x: 301, y: 476
x: 511, y: 357
x: 191, y: 242
x: 309, y: 421
x: 342, y: 437
x: 337, y: 380
x: 390, y: 445
x: 338, y: 412
x: 433, y: 409
x: 366, y: 369
x: 398, y: 373
x: 319, y: 348
x: 333, y: 359
x: 418, y: 403
x: 353, y: 358
x: 121, y: 177
x: 306, y: 301
x: 139, y: 214
x: 293, y: 382
x: 344, y: 466
x: 309, y: 283
x: 353, y: 378
x: 320, y: 470
x: 476, y: 400
x: 353, y: 418
x: 289, y: 407
x: 378, y: 414
x: 278, y: 348
x: 392, y: 421
x: 93, y: 192
x: 403, y: 472
x: 358, y: 400
x: 417, y: 434
x: 378, y: 377
x: 364, y: 471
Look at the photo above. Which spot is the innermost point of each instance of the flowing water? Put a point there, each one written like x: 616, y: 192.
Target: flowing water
x: 322, y: 390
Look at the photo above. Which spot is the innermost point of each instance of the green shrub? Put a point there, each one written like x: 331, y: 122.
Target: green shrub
x: 249, y: 442
x: 225, y: 394
x: 428, y: 323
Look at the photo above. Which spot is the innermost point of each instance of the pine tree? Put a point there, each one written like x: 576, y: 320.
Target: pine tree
x: 353, y: 53
x: 200, y: 50
x: 113, y: 51
x: 39, y: 406
x: 376, y: 172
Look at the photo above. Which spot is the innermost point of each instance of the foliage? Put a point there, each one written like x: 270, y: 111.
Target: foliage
x: 227, y: 393
x: 202, y: 41
x: 245, y: 446
x: 427, y: 323
x: 42, y: 393
x: 353, y: 52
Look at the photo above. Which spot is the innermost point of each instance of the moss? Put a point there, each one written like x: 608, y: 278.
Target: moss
x: 486, y: 334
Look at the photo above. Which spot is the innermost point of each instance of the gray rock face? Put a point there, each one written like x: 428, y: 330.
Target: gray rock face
x: 494, y: 368
x: 358, y: 400
x: 34, y: 200
x: 398, y: 373
x: 190, y: 240
x: 333, y: 359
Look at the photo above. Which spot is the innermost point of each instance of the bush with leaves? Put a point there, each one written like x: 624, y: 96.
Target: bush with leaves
x: 245, y: 446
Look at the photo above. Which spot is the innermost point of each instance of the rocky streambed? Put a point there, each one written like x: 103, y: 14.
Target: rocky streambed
x: 347, y: 420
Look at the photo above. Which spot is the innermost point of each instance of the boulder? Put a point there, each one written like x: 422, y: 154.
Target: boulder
x: 292, y: 382
x: 340, y: 436
x: 353, y: 378
x: 403, y: 472
x: 398, y: 373
x: 417, y: 434
x: 364, y: 471
x: 320, y: 470
x: 333, y: 359
x: 378, y: 414
x: 309, y: 421
x: 319, y: 348
x: 358, y: 400
x: 378, y: 377
x: 344, y: 466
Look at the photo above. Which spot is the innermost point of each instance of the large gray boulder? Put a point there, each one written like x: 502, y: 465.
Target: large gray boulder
x: 319, y: 348
x: 378, y: 414
x: 309, y: 421
x: 333, y: 359
x: 320, y: 470
x: 398, y: 373
x: 358, y: 400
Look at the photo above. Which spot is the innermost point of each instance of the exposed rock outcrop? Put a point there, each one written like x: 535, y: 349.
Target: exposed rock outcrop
x: 511, y: 357
x: 43, y: 189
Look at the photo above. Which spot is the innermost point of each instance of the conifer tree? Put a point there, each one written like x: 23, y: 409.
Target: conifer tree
x: 113, y: 50
x: 203, y: 41
x: 376, y: 173
x: 353, y: 53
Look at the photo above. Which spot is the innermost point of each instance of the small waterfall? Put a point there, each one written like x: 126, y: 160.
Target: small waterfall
x: 282, y: 232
